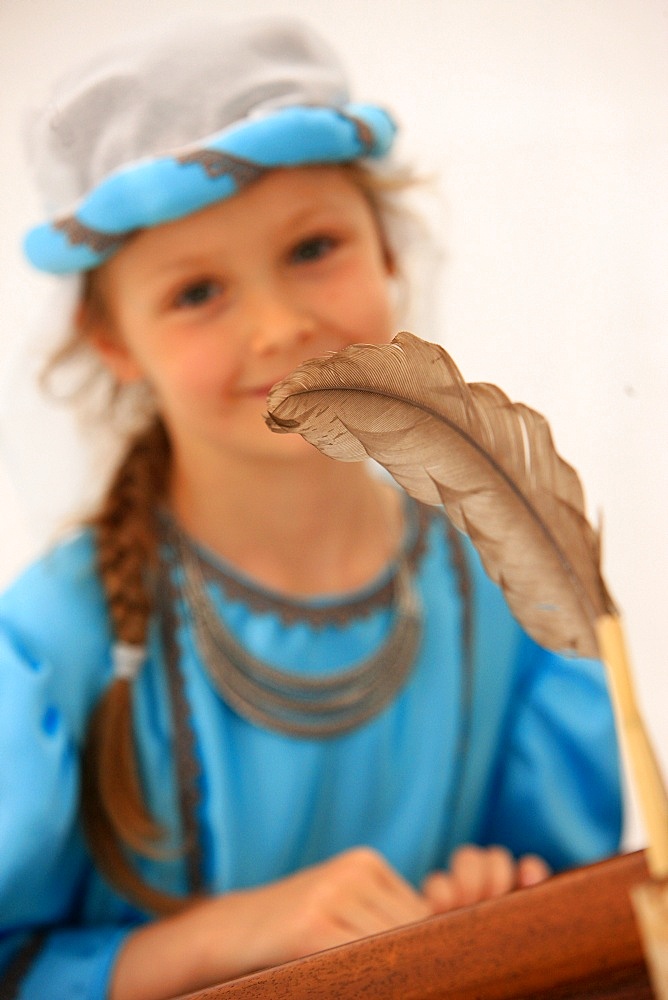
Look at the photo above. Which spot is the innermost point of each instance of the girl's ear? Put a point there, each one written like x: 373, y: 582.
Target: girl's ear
x: 115, y: 355
x: 100, y: 333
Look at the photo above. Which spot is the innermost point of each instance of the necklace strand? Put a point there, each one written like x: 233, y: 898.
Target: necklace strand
x: 287, y: 703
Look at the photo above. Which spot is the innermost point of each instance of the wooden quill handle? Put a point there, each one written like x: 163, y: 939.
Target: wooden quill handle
x: 649, y: 784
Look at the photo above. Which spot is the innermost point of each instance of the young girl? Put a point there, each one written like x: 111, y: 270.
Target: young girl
x: 262, y: 704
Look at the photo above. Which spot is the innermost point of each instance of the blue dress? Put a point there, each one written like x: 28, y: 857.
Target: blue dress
x: 490, y: 739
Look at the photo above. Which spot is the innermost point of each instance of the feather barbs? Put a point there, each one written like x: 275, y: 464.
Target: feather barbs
x: 490, y: 462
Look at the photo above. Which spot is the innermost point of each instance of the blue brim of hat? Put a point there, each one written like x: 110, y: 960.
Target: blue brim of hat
x: 153, y: 191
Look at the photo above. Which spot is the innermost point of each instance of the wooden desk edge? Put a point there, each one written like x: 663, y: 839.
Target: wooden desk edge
x: 576, y: 928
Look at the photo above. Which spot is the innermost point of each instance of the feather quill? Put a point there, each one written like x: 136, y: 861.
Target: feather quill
x: 493, y: 466
x: 490, y: 462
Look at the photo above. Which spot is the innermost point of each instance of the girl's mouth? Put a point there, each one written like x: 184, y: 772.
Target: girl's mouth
x: 261, y: 391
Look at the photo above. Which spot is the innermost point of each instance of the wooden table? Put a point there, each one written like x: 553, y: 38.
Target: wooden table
x: 573, y: 936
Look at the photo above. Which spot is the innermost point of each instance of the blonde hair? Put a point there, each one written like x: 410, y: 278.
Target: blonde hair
x: 115, y: 816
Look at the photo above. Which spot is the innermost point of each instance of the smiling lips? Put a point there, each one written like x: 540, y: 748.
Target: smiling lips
x: 263, y: 390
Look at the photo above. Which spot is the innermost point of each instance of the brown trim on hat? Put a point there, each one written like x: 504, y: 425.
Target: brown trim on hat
x: 77, y: 234
x: 364, y: 132
x: 217, y: 164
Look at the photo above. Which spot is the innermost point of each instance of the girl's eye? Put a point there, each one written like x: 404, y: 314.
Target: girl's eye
x: 313, y: 249
x: 199, y: 293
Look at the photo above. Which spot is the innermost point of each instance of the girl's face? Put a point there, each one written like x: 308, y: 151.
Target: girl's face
x: 215, y: 308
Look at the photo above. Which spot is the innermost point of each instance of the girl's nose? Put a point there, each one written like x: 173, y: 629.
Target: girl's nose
x: 275, y: 322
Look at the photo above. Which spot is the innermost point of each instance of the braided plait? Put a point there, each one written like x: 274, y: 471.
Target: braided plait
x: 115, y: 815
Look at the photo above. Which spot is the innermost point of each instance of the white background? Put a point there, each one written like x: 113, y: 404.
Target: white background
x: 546, y: 123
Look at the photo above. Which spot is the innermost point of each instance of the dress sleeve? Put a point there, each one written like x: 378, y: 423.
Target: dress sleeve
x: 48, y: 944
x: 61, y: 964
x: 557, y: 790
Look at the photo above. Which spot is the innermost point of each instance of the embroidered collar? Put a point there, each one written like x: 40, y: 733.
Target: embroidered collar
x: 317, y: 612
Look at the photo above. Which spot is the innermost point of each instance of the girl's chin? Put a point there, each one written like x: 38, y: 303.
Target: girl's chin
x: 292, y: 445
x: 257, y: 440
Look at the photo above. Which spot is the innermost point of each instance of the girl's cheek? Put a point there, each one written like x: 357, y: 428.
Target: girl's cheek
x: 212, y: 373
x: 381, y: 323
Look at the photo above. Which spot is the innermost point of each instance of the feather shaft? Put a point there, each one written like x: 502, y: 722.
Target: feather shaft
x: 649, y: 784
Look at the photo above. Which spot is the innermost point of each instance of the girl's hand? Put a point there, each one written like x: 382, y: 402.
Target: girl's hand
x: 345, y: 898
x: 479, y: 873
x: 350, y: 896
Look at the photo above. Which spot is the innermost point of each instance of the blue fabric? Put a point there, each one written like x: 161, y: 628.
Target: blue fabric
x: 73, y: 963
x: 161, y: 189
x: 533, y: 765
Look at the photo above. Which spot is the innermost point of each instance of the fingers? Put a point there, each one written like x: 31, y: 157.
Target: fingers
x: 369, y: 896
x: 483, y: 874
x: 441, y: 892
x: 475, y: 874
x: 397, y: 899
x: 350, y: 896
x: 531, y: 871
x: 478, y: 873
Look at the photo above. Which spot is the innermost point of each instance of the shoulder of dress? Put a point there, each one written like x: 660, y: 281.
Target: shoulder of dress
x: 67, y: 568
x: 56, y: 607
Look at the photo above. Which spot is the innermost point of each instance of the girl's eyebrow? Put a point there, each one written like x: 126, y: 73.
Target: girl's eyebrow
x: 328, y: 212
x: 330, y: 208
x: 181, y: 264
